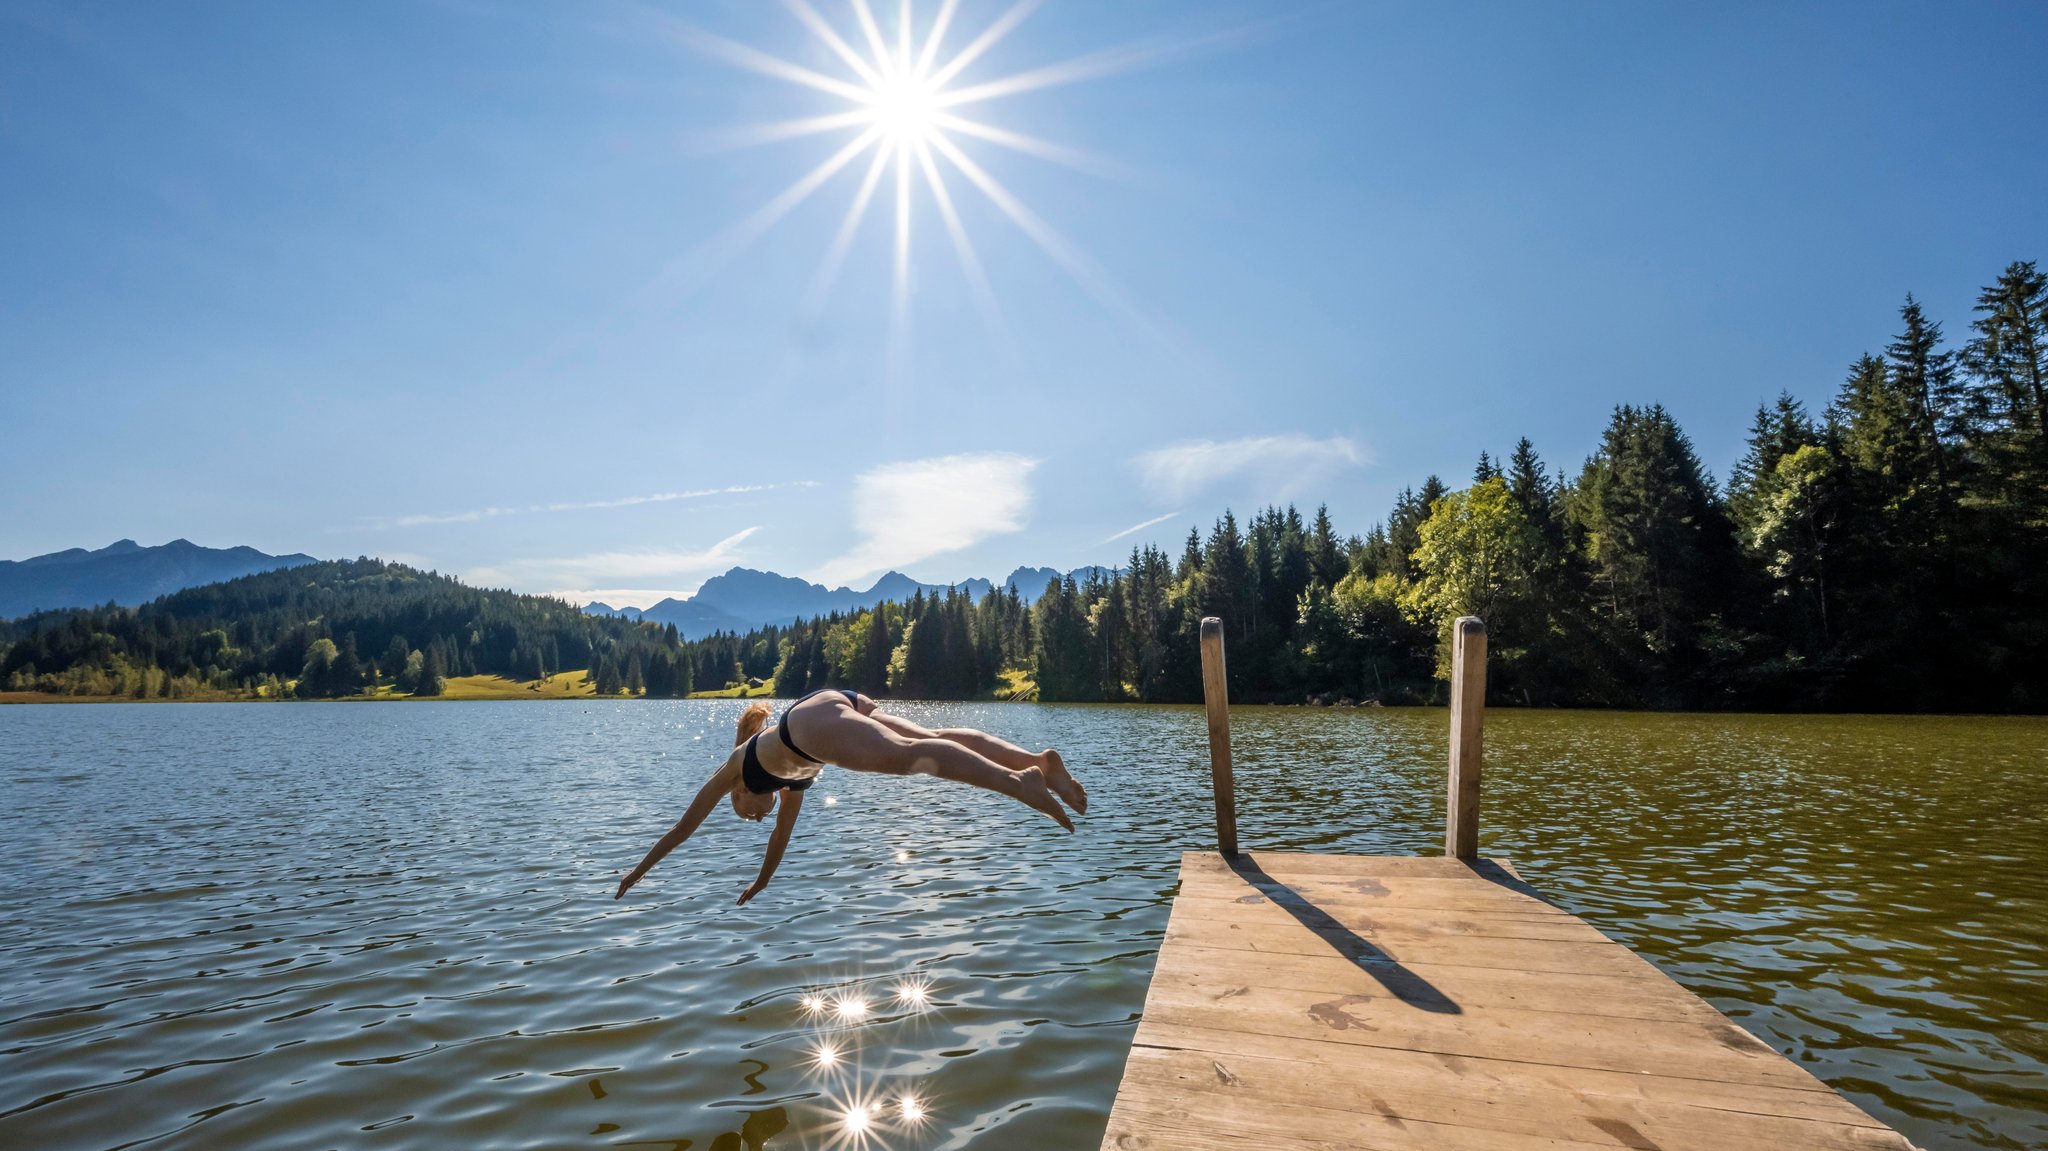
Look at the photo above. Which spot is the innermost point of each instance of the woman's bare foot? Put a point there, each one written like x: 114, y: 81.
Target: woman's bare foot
x: 1063, y: 783
x: 1032, y: 790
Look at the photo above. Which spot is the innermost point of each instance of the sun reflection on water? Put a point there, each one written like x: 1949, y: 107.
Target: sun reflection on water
x: 864, y: 1108
x: 912, y: 1108
x: 825, y: 1055
x: 858, y: 1118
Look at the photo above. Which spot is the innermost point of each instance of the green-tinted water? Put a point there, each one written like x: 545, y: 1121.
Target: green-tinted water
x: 300, y: 926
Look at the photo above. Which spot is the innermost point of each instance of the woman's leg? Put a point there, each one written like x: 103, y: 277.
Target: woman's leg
x: 845, y: 737
x: 999, y: 751
x: 980, y: 743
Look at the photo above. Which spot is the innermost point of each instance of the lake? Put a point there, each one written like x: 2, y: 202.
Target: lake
x: 390, y: 925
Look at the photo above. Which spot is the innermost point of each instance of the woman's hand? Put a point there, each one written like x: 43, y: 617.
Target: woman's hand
x: 786, y: 811
x: 717, y: 787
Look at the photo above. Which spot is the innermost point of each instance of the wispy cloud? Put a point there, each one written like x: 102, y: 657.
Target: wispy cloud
x: 915, y: 509
x: 478, y: 514
x: 1136, y: 528
x: 1279, y: 465
x: 646, y: 576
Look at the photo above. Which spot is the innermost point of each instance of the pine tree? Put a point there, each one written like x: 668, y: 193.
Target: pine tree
x: 817, y: 670
x: 2007, y: 362
x: 393, y: 662
x: 1325, y: 556
x: 433, y: 674
x: 1404, y: 528
x: 873, y: 675
x: 920, y: 636
x: 1925, y: 375
x: 347, y: 672
x: 1065, y: 668
x: 963, y: 673
x: 1656, y: 539
x: 793, y: 674
x: 2009, y: 354
x: 1229, y: 585
x: 1110, y: 626
x: 1778, y: 430
x: 1530, y: 486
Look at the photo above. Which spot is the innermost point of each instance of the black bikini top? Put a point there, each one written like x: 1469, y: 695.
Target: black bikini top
x: 760, y: 780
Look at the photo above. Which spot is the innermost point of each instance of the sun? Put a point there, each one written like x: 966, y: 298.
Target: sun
x: 903, y: 100
x: 907, y: 110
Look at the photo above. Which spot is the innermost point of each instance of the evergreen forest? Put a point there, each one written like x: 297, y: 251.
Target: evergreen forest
x: 1887, y: 553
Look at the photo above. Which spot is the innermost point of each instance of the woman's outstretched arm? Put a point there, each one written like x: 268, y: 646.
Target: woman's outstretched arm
x: 786, y: 811
x: 714, y: 789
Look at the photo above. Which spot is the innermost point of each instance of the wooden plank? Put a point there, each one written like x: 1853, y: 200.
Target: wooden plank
x: 1366, y: 892
x: 1488, y: 1078
x: 1407, y: 1020
x: 1550, y: 1111
x: 1271, y: 930
x: 1173, y: 1117
x: 1412, y: 922
x: 1289, y: 868
x: 1625, y: 996
x: 1288, y: 865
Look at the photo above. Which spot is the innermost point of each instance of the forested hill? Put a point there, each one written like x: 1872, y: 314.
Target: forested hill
x: 1887, y: 553
x: 327, y: 629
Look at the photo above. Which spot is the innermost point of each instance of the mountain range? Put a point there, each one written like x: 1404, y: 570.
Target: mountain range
x: 124, y: 572
x: 744, y: 599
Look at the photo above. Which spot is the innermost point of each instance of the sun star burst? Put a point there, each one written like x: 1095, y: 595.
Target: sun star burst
x: 907, y: 110
x: 903, y: 102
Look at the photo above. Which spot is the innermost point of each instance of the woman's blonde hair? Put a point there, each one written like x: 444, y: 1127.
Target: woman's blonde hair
x: 752, y: 721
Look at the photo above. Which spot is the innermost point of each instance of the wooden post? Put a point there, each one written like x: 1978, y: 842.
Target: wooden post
x: 1468, y: 709
x: 1216, y: 695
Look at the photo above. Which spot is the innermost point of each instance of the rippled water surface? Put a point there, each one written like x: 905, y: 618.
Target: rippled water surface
x: 348, y: 926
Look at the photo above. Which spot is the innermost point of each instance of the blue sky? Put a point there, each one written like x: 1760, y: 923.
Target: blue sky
x: 463, y: 284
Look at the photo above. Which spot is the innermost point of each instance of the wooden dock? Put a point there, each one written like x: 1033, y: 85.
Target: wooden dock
x: 1438, y: 1003
x: 1332, y: 1001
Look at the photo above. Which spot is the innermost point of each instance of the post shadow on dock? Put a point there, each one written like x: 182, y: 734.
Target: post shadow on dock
x: 1399, y: 981
x: 1461, y: 840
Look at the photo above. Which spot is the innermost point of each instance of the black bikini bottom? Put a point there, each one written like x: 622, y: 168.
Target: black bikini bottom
x: 782, y: 724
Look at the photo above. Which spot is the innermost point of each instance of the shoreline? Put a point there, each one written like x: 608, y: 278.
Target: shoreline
x: 26, y: 699
x: 457, y: 689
